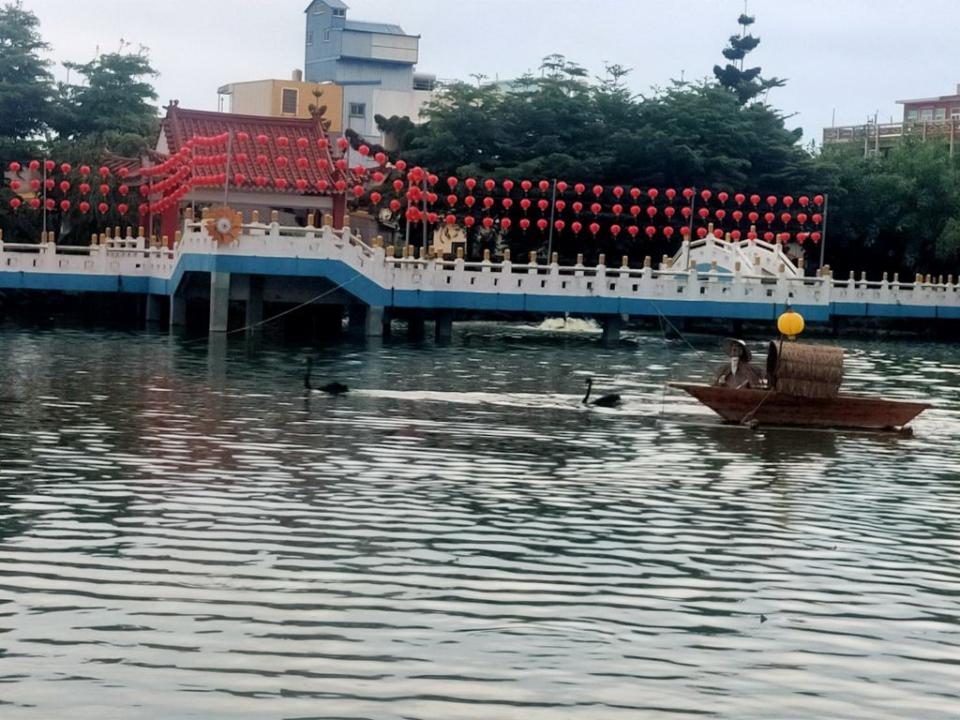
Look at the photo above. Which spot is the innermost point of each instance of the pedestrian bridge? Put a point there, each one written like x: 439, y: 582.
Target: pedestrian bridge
x: 710, y: 278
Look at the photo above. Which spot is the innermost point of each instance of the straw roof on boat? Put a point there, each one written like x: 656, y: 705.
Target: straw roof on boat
x: 810, y: 371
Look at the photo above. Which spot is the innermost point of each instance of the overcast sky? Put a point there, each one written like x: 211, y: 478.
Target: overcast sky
x: 848, y: 57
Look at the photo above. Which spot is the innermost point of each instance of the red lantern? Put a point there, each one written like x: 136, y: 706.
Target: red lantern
x: 50, y: 165
x: 507, y: 203
x: 50, y: 204
x: 737, y: 215
x: 301, y: 184
x: 65, y: 168
x: 358, y: 190
x: 720, y: 214
x: 668, y: 232
x: 595, y: 208
x: 364, y: 150
x: 320, y: 185
x: 561, y: 187
x: 686, y: 212
x: 489, y: 184
x: 635, y: 210
x: 470, y: 183
x: 787, y: 200
x: 754, y: 199
x: 615, y: 230
x: 525, y: 185
x: 739, y: 198
x: 123, y: 189
x: 652, y: 193
x: 560, y: 205
x: 303, y: 163
x: 398, y: 185
x: 701, y: 232
x: 817, y: 218
x: 651, y: 212
x: 451, y: 200
x: 488, y: 222
x: 722, y: 197
x: 804, y: 201
x: 801, y: 237
x: 15, y: 185
x: 104, y: 171
x: 577, y: 206
x: 394, y: 205
x: 450, y: 219
x: 617, y: 192
x: 579, y: 188
x: 49, y: 184
x: 650, y: 230
x: 753, y: 216
x: 718, y: 234
x: 505, y: 224
x: 508, y: 186
x: 617, y: 209
x: 688, y: 193
x: 452, y: 182
x: 543, y: 205
x: 35, y: 165
x: 375, y: 197
x: 785, y: 218
x: 815, y: 236
x: 559, y: 225
x: 524, y: 224
x: 771, y: 200
x: 542, y: 224
x: 704, y: 213
x: 594, y: 228
x: 488, y: 202
x: 15, y: 202
x: 35, y: 185
x: 543, y: 185
x: 340, y: 164
x: 706, y: 195
x: 801, y: 218
x: 634, y: 193
x: 400, y: 165
x: 381, y: 158
x: 469, y: 201
x: 15, y: 167
x: 84, y: 206
x: 633, y: 230
x: 735, y: 234
x: 671, y: 194
x: 769, y: 217
x: 751, y: 235
x: 669, y: 211
x: 769, y: 236
x: 576, y: 227
x: 525, y: 204
x: 598, y: 191
x: 103, y: 208
x: 342, y: 143
x: 281, y: 184
x: 122, y: 207
x: 104, y: 189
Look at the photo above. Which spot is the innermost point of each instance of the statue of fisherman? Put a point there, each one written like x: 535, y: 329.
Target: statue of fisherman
x: 738, y: 373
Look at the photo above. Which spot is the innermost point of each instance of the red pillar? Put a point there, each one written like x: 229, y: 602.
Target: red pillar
x: 339, y: 210
x: 170, y: 221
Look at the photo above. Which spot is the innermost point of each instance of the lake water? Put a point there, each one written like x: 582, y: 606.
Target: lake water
x: 184, y: 534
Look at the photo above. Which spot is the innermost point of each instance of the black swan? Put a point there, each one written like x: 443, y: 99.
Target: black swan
x: 334, y: 388
x: 611, y: 400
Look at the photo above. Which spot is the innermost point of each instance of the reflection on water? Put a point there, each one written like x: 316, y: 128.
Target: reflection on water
x: 185, y: 534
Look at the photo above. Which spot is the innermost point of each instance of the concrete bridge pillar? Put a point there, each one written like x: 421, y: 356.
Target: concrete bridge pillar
x: 178, y: 311
x: 443, y: 329
x: 219, y: 301
x: 375, y: 322
x: 153, y: 312
x: 612, y: 325
x: 415, y: 326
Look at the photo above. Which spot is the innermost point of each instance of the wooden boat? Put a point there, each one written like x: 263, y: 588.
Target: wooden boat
x: 770, y: 407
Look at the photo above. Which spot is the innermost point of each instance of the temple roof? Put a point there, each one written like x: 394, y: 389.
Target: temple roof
x: 181, y: 125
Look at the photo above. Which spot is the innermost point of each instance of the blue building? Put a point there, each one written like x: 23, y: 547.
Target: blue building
x: 373, y: 63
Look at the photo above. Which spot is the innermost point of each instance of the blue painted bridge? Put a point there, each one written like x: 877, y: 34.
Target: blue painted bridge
x: 320, y: 264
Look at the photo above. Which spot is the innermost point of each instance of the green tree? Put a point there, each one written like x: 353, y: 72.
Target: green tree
x: 746, y: 83
x: 26, y: 85
x: 113, y: 105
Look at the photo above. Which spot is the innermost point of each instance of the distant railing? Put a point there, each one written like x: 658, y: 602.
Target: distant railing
x: 873, y: 132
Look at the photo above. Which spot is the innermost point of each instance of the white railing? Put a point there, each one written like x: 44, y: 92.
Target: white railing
x: 746, y: 283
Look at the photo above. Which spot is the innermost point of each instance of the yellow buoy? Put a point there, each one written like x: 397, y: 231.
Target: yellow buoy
x: 790, y: 324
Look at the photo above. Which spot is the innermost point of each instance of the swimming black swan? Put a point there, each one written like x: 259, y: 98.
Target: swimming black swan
x: 611, y: 400
x: 333, y: 388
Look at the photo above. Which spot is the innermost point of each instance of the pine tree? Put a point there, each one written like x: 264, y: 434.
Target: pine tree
x: 747, y: 83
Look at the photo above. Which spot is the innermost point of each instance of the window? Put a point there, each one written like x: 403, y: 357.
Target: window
x: 339, y: 12
x: 289, y: 101
x: 926, y: 115
x: 911, y: 115
x: 423, y: 83
x: 309, y: 37
x: 358, y: 109
x: 326, y: 36
x: 940, y: 114
x: 955, y: 113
